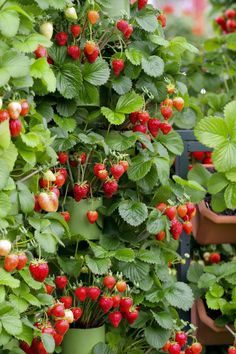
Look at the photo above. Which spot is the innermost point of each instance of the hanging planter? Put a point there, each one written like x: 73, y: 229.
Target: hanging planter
x: 207, y: 332
x: 79, y: 224
x: 82, y: 341
x: 118, y: 8
x: 211, y: 228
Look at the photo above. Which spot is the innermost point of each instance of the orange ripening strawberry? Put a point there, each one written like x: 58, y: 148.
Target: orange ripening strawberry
x: 93, y: 17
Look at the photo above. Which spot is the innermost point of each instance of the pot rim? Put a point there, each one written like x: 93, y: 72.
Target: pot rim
x: 217, y: 219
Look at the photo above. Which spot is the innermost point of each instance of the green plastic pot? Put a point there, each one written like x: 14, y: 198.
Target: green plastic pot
x: 82, y: 341
x: 79, y: 224
x: 118, y: 8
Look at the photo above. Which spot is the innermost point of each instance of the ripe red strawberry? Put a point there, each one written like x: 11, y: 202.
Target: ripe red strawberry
x: 140, y: 128
x: 15, y: 127
x: 74, y: 52
x: 118, y: 66
x: 63, y: 171
x: 230, y: 13
x: 25, y: 347
x: 188, y: 350
x: 55, y: 190
x: 109, y: 281
x: 81, y: 293
x: 60, y: 179
x: 122, y: 25
x: 175, y: 348
x: 116, y: 301
x: 165, y: 128
x: 77, y: 313
x: 106, y: 303
x: 167, y: 102
x: 125, y: 164
x: 62, y: 157
x: 110, y: 187
x: 215, y: 258
x: 176, y: 229
x: 196, y: 348
x: 171, y: 212
x: 115, y: 318
x: 10, y: 262
x: 153, y: 126
x: 231, y: 350
x: 61, y: 38
x: 83, y: 158
x: 161, y: 207
x: 162, y: 19
x: 58, y: 339
x: 98, y: 167
x: 40, y: 348
x: 121, y: 286
x: 182, y: 210
x: 142, y: 4
x: 67, y: 301
x: 220, y: 20
x: 132, y: 316
x: 50, y: 60
x: 166, y: 346
x: 37, y: 207
x: 166, y: 111
x: 161, y: 236
x: 125, y: 304
x: 4, y: 115
x: 66, y: 215
x: 73, y: 163
x: 188, y: 227
x: 93, y: 56
x: 93, y: 293
x: 40, y: 52
x: 58, y: 310
x: 61, y: 281
x: 143, y: 117
x: 39, y: 269
x: 181, y: 338
x: 102, y: 175
x: 81, y: 191
x: 61, y: 327
x: 92, y: 216
x: 134, y: 117
x: 207, y: 161
x: 22, y: 260
x: 178, y: 103
x: 117, y: 171
x: 49, y: 288
x: 75, y: 30
x: 128, y: 32
x: 191, y: 210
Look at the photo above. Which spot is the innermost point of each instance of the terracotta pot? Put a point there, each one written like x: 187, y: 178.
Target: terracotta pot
x: 207, y: 332
x: 209, y: 227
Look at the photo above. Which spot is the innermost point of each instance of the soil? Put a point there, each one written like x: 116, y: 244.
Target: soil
x: 226, y: 212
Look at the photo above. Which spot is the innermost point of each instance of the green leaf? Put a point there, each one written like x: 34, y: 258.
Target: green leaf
x: 5, y: 137
x: 139, y: 168
x: 48, y: 342
x: 5, y: 204
x: 180, y: 295
x: 69, y: 80
x: 213, y: 302
x: 200, y: 174
x: 129, y: 103
x: 191, y: 184
x: 194, y: 272
x: 46, y: 299
x: 230, y: 112
x: 224, y: 156
x: 30, y: 139
x: 125, y: 255
x: 2, y: 294
x: 212, y: 131
x: 120, y: 141
x: 25, y: 274
x: 163, y: 318
x: 173, y: 142
x: 134, y: 56
x: 46, y: 240
x: 8, y: 280
x: 231, y: 175
x: 9, y: 22
x: 66, y: 108
x: 147, y: 20
x: 102, y: 348
x: 217, y: 183
x: 135, y: 271
x: 26, y: 198
x: 156, y: 336
x: 67, y: 124
x: 230, y: 196
x: 26, y: 334
x: 97, y: 73
x: 30, y: 43
x: 122, y: 84
x: 11, y: 323
x: 149, y: 256
x: 31, y: 299
x: 153, y: 66
x: 163, y: 169
x: 4, y: 173
x: 156, y: 222
x: 13, y: 64
x: 98, y: 266
x: 115, y: 118
x: 217, y: 290
x: 206, y: 280
x: 20, y: 305
x: 134, y: 213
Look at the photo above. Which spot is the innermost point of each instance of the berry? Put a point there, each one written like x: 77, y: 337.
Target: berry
x: 15, y: 127
x: 118, y: 66
x: 58, y: 310
x: 117, y: 171
x: 181, y: 338
x: 166, y: 111
x: 102, y: 175
x: 39, y: 270
x: 125, y: 304
x: 92, y: 57
x: 81, y: 191
x: 46, y: 29
x: 74, y: 52
x: 140, y: 128
x: 162, y: 19
x: 89, y: 47
x: 231, y: 350
x: 121, y: 286
x: 176, y: 229
x: 166, y: 346
x: 60, y: 179
x: 191, y: 210
x: 62, y: 157
x: 40, y: 52
x: 230, y: 13
x: 67, y: 301
x: 93, y: 17
x: 93, y: 293
x: 4, y: 115
x: 170, y: 88
x: 77, y: 312
x: 115, y: 318
x: 49, y: 288
x: 83, y: 158
x: 125, y: 164
x: 178, y: 103
x: 63, y: 171
x: 188, y: 227
x: 92, y: 216
x: 81, y: 293
x: 66, y: 215
x: 161, y: 207
x: 198, y: 155
x: 61, y: 38
x: 5, y: 247
x: 207, y: 161
x: 143, y: 117
x: 132, y: 316
x: 97, y: 168
x: 167, y: 102
x: 22, y: 260
x: 188, y: 350
x: 215, y: 258
x: 171, y: 212
x: 161, y: 236
x: 174, y: 348
x: 182, y: 210
x: 110, y: 187
x: 109, y: 281
x: 142, y: 4
x: 153, y: 126
x: 70, y: 13
x: 196, y: 348
x: 61, y: 327
x: 122, y: 25
x: 165, y: 128
x: 75, y: 30
x: 48, y: 201
x: 134, y: 117
x: 58, y: 339
x: 10, y: 262
x: 106, y: 304
x: 128, y: 32
x: 116, y: 301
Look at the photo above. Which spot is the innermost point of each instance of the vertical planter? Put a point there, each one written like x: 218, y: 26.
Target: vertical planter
x: 118, y: 8
x: 207, y: 332
x: 79, y: 224
x: 82, y: 341
x: 211, y: 228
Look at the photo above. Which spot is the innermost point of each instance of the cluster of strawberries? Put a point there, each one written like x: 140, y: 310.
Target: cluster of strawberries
x: 227, y: 22
x: 13, y: 112
x: 204, y: 157
x: 178, y: 346
x: 180, y: 219
x: 12, y: 261
x: 212, y: 258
